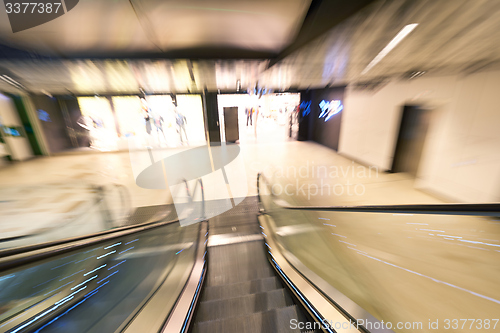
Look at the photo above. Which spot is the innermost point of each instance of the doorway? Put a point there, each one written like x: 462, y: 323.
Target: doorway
x: 411, y: 138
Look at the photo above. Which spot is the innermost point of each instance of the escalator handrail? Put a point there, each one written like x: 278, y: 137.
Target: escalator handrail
x: 51, y: 249
x: 154, y: 220
x: 40, y: 231
x: 484, y: 209
x: 40, y: 246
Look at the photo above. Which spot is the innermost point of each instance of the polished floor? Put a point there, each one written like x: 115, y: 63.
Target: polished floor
x: 306, y: 162
x: 57, y: 188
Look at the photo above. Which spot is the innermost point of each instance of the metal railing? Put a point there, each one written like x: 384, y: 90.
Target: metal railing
x: 484, y: 209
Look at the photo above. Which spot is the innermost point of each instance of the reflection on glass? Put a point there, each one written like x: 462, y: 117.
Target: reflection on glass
x: 98, y: 288
x: 399, y: 267
x: 98, y: 119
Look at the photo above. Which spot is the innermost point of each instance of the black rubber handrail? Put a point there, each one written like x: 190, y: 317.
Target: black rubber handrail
x: 485, y: 209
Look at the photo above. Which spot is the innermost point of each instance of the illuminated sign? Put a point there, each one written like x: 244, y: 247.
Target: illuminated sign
x: 305, y: 107
x: 43, y: 115
x: 329, y: 109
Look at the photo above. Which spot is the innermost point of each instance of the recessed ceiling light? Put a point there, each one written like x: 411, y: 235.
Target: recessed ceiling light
x: 392, y: 44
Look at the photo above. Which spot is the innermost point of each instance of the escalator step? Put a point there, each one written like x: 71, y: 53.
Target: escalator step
x: 237, y: 274
x: 246, y: 249
x: 241, y: 289
x: 271, y: 321
x: 240, y: 306
x: 249, y: 229
x: 248, y: 253
x: 234, y: 220
x: 223, y: 267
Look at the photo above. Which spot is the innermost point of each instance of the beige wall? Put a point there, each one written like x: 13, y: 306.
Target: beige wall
x: 461, y: 157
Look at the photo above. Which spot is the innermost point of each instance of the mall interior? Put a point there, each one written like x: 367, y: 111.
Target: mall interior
x: 250, y: 166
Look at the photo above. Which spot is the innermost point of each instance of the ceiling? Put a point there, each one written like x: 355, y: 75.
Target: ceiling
x: 118, y: 28
x: 128, y: 76
x: 452, y: 36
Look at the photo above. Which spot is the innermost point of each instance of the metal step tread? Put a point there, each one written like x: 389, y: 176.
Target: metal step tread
x: 270, y: 321
x: 245, y: 229
x: 241, y: 288
x: 239, y: 306
x: 245, y: 252
x: 239, y: 274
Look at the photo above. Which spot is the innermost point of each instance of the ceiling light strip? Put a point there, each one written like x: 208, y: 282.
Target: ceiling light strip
x: 392, y: 44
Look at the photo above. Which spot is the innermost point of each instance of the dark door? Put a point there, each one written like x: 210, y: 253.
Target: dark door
x: 411, y: 138
x: 231, y: 123
x: 53, y: 123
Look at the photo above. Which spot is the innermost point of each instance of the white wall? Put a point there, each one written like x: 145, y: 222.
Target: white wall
x: 461, y: 157
x: 19, y: 147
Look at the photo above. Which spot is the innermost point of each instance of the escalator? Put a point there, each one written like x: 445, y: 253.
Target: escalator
x: 106, y: 282
x: 263, y: 266
x: 137, y: 279
x: 242, y: 292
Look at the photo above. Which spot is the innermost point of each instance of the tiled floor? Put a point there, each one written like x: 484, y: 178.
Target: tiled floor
x: 51, y: 187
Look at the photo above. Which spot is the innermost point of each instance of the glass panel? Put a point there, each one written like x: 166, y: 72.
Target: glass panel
x: 404, y: 268
x: 100, y: 288
x: 48, y: 212
x: 98, y: 119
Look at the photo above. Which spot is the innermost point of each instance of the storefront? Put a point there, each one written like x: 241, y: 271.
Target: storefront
x: 268, y: 118
x: 154, y: 121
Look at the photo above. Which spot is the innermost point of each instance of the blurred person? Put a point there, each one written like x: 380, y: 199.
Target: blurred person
x: 181, y: 121
x: 87, y: 124
x: 256, y: 119
x: 158, y: 121
x: 146, y: 113
x: 249, y: 113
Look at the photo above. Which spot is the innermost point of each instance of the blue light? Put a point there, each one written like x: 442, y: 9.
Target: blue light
x: 107, y: 277
x: 81, y: 284
x: 121, y: 262
x: 108, y: 247
x: 130, y: 248
x: 63, y: 300
x: 305, y: 107
x: 135, y: 240
x: 107, y: 254
x: 43, y: 115
x: 92, y: 271
x: 7, y: 277
x: 64, y: 285
x: 329, y: 109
